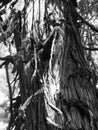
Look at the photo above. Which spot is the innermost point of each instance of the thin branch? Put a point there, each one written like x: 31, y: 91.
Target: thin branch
x: 10, y: 95
x: 89, y: 48
x: 94, y: 28
x: 4, y: 63
x: 8, y: 59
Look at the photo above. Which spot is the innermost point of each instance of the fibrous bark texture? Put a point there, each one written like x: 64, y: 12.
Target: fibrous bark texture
x: 52, y: 60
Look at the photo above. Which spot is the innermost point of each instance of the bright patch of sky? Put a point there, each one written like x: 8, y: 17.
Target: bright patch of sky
x: 3, y: 125
x: 20, y: 5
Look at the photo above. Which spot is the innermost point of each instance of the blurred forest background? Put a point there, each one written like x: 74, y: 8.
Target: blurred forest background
x: 48, y: 64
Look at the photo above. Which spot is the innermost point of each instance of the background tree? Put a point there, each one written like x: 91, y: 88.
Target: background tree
x: 54, y: 70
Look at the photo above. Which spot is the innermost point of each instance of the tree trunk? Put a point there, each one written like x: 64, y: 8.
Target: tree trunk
x: 68, y: 97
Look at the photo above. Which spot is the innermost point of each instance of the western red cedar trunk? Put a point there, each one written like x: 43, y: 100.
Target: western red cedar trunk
x: 68, y: 100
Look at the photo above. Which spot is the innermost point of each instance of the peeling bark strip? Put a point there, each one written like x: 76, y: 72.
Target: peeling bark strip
x: 52, y: 88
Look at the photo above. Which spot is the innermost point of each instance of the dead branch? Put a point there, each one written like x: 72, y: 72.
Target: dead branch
x: 7, y: 60
x: 28, y: 101
x: 10, y: 95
